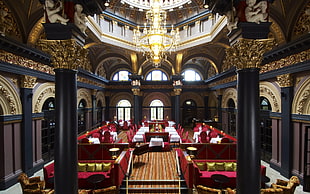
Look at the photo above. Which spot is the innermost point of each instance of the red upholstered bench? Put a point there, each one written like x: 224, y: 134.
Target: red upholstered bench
x: 84, y: 171
x: 204, y: 169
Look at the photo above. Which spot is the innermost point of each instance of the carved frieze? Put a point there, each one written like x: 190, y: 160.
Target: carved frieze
x: 285, y: 80
x: 28, y: 81
x: 66, y: 54
x: 223, y: 81
x: 88, y: 81
x: 287, y: 61
x: 24, y: 62
x: 10, y: 100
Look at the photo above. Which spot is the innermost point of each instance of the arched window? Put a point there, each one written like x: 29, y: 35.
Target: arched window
x: 264, y: 104
x: 122, y: 75
x: 123, y: 110
x: 157, y: 110
x: 156, y: 75
x: 48, y: 129
x: 191, y: 75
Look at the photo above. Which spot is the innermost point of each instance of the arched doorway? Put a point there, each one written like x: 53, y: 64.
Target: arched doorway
x: 48, y: 129
x: 266, y: 129
x: 82, y: 116
x: 99, y: 111
x: 157, y: 110
x: 231, y: 117
x: 123, y: 110
x: 189, y: 112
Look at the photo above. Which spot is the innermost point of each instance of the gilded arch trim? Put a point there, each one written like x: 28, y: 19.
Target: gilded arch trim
x: 230, y: 93
x: 301, y: 101
x: 41, y: 94
x: 85, y: 94
x: 9, y: 98
x: 100, y: 97
x: 269, y: 91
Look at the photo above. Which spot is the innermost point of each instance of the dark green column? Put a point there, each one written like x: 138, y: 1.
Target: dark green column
x: 287, y: 94
x: 26, y: 131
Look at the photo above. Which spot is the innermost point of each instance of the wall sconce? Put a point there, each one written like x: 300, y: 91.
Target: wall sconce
x: 107, y: 3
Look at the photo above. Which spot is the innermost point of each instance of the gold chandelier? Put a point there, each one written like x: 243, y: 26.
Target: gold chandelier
x: 154, y: 40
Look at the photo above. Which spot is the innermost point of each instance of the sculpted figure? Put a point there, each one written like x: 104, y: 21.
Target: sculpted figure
x: 51, y: 11
x: 256, y: 12
x: 80, y: 18
x: 232, y: 19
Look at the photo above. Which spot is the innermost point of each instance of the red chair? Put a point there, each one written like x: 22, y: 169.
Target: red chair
x: 196, y: 129
x: 96, y: 135
x: 107, y: 137
x: 125, y: 126
x: 203, y: 137
x: 213, y: 134
x: 225, y: 140
x: 186, y: 140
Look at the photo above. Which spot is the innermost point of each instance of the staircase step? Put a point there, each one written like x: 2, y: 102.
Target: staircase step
x: 155, y: 190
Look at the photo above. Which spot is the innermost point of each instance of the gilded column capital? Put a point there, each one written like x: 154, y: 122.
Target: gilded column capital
x: 248, y: 53
x: 177, y: 91
x: 136, y: 91
x: 285, y: 80
x: 66, y: 54
x: 28, y: 81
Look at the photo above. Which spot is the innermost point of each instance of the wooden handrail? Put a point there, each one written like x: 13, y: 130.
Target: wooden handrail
x: 178, y: 170
x: 128, y: 170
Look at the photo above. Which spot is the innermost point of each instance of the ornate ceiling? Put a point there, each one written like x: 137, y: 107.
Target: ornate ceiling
x: 25, y: 17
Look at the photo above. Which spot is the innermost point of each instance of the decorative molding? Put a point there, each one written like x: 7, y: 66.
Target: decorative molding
x: 41, y: 94
x: 8, y: 24
x: 230, y: 93
x: 301, y: 102
x: 177, y: 91
x: 268, y: 90
x: 66, y: 54
x: 303, y: 23
x: 223, y: 81
x: 287, y: 61
x: 247, y: 53
x: 9, y: 99
x: 27, y: 81
x: 136, y: 91
x: 85, y: 94
x: 36, y: 32
x: 24, y: 62
x: 285, y: 80
x: 89, y: 81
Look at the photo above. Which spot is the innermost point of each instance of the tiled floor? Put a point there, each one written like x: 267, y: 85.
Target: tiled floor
x: 272, y: 174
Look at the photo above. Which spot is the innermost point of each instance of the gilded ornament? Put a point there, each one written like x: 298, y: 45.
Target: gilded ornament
x: 248, y: 53
x: 66, y: 54
x: 24, y: 62
x: 28, y: 81
x: 136, y: 91
x: 177, y: 91
x: 287, y: 61
x: 285, y: 80
x: 303, y: 23
x: 8, y: 25
x: 10, y: 101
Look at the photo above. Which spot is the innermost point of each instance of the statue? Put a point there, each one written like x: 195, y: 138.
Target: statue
x: 232, y: 19
x: 256, y: 12
x: 80, y: 18
x: 51, y: 10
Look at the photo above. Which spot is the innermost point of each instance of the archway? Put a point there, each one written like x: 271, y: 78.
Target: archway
x: 266, y: 129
